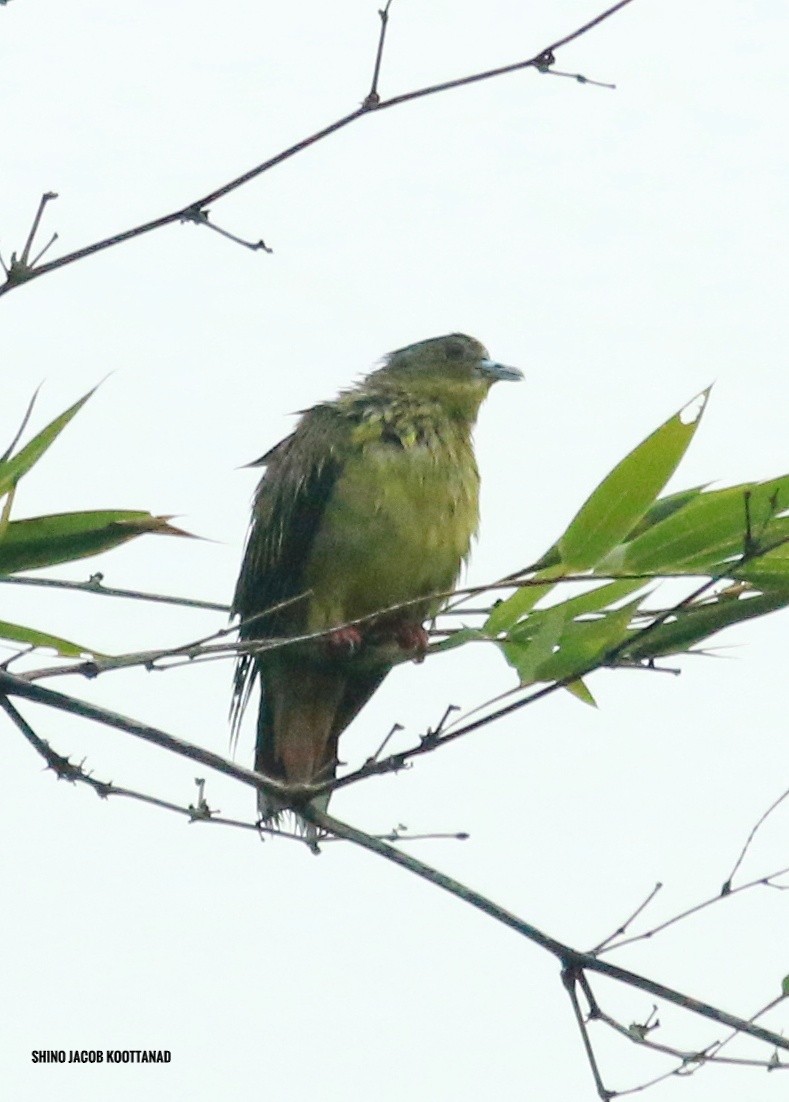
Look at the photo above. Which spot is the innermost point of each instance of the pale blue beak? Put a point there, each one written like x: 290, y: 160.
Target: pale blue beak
x: 497, y: 372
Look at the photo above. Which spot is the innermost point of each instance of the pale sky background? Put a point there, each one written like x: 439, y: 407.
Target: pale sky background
x: 624, y: 248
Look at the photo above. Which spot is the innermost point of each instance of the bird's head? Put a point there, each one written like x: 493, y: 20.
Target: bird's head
x: 455, y: 368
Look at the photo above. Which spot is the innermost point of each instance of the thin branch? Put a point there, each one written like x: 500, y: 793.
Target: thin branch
x: 15, y: 276
x: 628, y: 921
x: 570, y: 979
x: 94, y: 584
x: 200, y: 218
x: 764, y: 881
x: 47, y: 197
x: 198, y: 812
x: 373, y: 99
x: 570, y: 958
x: 689, y: 1061
x: 17, y: 686
x: 9, y: 450
x: 295, y: 795
x: 727, y: 888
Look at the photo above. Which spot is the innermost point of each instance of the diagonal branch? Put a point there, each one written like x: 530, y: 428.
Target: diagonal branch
x: 570, y: 958
x: 194, y: 211
x: 17, y: 686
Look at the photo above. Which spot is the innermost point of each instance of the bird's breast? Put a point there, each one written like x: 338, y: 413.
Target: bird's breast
x: 398, y: 525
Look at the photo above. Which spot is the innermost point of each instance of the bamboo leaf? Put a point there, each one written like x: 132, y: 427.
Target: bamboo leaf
x: 62, y: 537
x: 457, y: 639
x: 665, y: 507
x: 593, y: 601
x: 662, y: 508
x: 11, y: 470
x: 597, y: 599
x: 527, y: 656
x: 699, y: 622
x: 580, y: 690
x: 768, y: 570
x: 708, y: 530
x: 626, y: 494
x: 584, y: 643
x: 64, y: 647
x: 507, y: 613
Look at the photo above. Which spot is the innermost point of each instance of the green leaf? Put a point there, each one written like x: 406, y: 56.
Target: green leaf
x: 785, y: 986
x: 585, y: 603
x: 527, y: 656
x: 457, y: 639
x: 665, y: 507
x: 709, y: 530
x: 602, y: 596
x: 768, y: 570
x: 662, y: 508
x: 62, y: 537
x: 699, y: 622
x: 11, y: 470
x: 584, y: 643
x: 580, y: 690
x: 548, y: 646
x: 507, y: 613
x: 624, y: 496
x: 64, y: 647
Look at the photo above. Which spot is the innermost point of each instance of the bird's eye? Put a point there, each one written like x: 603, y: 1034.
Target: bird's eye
x: 454, y: 350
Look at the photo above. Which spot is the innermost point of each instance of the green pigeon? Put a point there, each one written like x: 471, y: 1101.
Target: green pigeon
x: 365, y: 512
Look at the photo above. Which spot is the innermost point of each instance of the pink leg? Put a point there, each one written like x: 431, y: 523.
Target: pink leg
x: 412, y: 637
x: 344, y: 640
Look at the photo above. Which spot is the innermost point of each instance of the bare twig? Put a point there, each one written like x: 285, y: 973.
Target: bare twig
x: 763, y: 881
x: 17, y: 686
x: 94, y: 584
x: 393, y: 730
x: 191, y: 211
x: 21, y: 268
x: 690, y: 1061
x: 570, y: 958
x: 727, y: 888
x: 628, y: 921
x: 7, y: 453
x: 200, y: 217
x: 372, y: 98
x: 570, y: 978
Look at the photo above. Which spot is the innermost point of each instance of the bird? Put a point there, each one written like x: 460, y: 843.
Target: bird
x: 360, y: 526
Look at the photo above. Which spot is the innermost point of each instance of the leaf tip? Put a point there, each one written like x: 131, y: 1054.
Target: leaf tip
x: 690, y: 414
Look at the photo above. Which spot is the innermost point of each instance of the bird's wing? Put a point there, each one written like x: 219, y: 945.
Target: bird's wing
x: 301, y: 472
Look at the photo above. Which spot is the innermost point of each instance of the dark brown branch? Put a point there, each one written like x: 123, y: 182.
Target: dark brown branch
x: 763, y: 881
x: 94, y: 584
x: 18, y: 687
x: 194, y: 211
x: 570, y: 979
x: 570, y: 958
x: 620, y: 930
x: 372, y: 98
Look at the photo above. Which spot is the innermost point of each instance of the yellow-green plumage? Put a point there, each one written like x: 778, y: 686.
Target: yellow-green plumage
x: 371, y: 502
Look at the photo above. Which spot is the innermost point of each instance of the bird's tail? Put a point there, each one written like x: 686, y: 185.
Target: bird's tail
x: 296, y: 735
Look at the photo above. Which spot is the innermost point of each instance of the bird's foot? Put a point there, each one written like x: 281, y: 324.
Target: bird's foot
x: 413, y: 637
x: 344, y: 641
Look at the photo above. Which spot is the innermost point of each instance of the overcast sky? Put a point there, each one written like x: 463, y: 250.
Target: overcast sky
x: 624, y: 248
